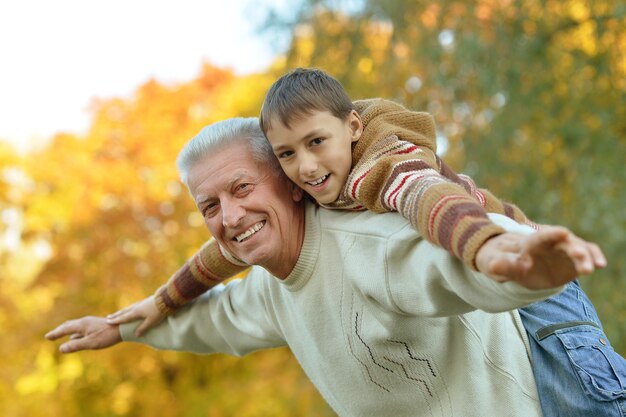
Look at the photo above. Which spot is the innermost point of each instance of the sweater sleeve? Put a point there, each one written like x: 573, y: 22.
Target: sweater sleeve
x: 490, y: 202
x: 397, y: 169
x: 231, y: 318
x: 207, y: 268
x: 424, y: 280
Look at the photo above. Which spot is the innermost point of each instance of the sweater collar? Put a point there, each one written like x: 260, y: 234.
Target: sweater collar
x: 309, y: 253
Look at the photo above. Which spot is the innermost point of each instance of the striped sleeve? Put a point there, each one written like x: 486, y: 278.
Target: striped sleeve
x: 442, y: 211
x: 396, y: 169
x: 208, y: 267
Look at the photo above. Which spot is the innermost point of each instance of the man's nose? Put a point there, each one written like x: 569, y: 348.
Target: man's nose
x: 232, y: 213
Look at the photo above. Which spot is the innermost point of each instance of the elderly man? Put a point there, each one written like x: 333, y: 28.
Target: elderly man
x: 382, y: 322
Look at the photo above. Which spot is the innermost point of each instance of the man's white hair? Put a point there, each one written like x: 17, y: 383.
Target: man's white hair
x: 217, y: 136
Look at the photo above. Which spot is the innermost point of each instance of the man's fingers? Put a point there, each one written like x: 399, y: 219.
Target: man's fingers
x: 75, y: 345
x: 69, y: 327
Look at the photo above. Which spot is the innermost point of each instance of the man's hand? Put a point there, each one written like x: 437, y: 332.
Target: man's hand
x: 551, y: 257
x: 86, y: 333
x: 145, y: 309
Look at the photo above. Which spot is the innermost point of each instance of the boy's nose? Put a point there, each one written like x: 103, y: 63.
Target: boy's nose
x: 308, y: 166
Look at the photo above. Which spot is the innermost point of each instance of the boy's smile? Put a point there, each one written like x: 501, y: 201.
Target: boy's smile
x: 315, y: 151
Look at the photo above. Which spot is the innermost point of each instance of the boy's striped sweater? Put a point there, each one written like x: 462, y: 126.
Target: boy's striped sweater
x: 394, y: 168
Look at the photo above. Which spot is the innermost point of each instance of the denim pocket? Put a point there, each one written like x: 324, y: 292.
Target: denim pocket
x: 601, y: 370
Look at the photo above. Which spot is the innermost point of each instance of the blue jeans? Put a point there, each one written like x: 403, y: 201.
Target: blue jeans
x: 577, y: 371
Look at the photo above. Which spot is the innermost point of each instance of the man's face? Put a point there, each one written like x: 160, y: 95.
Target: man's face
x: 316, y: 152
x: 249, y: 210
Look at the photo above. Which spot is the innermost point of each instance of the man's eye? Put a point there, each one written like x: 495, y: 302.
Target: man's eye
x: 209, y: 209
x: 244, y: 188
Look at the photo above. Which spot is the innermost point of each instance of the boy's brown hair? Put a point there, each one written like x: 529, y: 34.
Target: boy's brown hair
x: 301, y: 92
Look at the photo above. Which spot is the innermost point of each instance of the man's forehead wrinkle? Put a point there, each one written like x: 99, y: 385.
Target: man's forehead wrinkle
x: 233, y: 180
x: 203, y: 197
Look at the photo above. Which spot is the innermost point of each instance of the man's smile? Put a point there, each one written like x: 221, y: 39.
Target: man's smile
x: 252, y: 230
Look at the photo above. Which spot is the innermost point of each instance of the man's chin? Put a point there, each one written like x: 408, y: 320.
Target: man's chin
x: 251, y: 257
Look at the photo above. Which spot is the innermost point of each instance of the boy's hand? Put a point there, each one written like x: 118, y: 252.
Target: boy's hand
x: 86, y: 333
x: 551, y: 257
x: 145, y: 309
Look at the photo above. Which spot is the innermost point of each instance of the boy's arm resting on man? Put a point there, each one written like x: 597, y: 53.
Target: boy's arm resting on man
x: 208, y: 267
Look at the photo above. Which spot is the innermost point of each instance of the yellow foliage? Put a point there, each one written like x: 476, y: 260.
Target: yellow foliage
x: 44, y: 379
x: 578, y: 10
x: 365, y: 65
x: 122, y: 398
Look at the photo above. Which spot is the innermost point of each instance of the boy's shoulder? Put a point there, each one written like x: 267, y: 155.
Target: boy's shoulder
x: 375, y: 105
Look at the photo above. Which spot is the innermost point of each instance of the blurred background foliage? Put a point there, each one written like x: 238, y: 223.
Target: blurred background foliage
x: 529, y: 100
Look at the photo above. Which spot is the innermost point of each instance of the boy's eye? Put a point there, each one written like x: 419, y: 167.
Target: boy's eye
x: 316, y: 141
x: 285, y: 154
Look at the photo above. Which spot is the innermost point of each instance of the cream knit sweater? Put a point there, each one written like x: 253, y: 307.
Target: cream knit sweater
x: 383, y: 322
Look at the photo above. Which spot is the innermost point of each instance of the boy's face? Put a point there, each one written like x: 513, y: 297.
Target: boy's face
x: 316, y: 151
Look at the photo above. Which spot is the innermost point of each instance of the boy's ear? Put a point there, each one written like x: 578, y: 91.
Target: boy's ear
x: 356, y: 125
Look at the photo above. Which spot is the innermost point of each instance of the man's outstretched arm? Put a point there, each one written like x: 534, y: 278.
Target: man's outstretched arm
x: 86, y: 333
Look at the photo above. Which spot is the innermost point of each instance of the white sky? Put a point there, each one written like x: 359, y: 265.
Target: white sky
x: 55, y: 56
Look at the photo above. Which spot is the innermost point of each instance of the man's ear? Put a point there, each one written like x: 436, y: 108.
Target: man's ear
x: 356, y: 125
x: 296, y: 192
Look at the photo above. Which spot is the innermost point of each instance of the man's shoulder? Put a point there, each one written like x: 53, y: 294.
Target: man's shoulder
x: 367, y: 223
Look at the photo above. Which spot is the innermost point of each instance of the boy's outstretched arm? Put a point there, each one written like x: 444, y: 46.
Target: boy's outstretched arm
x: 550, y: 257
x: 397, y: 169
x: 207, y: 268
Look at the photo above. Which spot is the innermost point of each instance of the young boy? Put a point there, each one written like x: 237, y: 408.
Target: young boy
x: 377, y: 155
